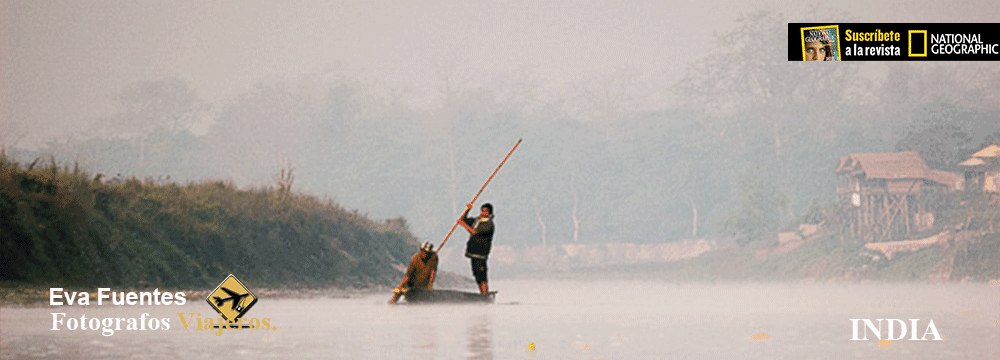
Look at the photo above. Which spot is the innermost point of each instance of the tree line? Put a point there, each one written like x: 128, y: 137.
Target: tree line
x: 744, y: 147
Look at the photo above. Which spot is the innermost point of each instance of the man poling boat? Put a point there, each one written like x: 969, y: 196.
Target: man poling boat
x: 480, y: 241
x: 477, y: 249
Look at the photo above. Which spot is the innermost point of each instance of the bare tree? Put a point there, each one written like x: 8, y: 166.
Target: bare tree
x: 541, y: 223
x: 575, y: 211
x: 285, y: 178
x: 168, y: 105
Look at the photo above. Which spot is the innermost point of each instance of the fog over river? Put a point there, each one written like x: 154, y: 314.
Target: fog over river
x: 547, y: 319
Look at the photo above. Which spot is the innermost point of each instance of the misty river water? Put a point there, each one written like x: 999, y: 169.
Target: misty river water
x: 547, y: 319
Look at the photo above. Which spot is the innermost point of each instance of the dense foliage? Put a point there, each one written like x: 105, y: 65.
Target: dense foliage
x: 64, y: 226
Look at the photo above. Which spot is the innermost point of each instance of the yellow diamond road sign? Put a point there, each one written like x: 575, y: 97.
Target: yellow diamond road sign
x: 231, y: 299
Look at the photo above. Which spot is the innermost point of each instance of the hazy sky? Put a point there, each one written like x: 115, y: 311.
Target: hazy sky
x: 63, y: 62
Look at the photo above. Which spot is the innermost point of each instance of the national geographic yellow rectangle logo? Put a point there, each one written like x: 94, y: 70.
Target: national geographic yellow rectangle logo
x: 919, y: 47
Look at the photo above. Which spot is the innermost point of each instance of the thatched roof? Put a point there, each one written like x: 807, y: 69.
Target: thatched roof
x: 954, y: 181
x: 901, y: 165
x: 893, y: 166
x: 973, y: 162
x: 991, y: 151
x: 987, y: 157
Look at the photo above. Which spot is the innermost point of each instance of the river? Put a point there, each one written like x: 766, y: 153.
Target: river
x: 549, y: 319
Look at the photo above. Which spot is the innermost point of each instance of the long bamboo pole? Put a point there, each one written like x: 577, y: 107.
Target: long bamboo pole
x: 480, y: 192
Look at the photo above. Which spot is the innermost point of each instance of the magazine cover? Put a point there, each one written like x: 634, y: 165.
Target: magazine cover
x: 820, y: 43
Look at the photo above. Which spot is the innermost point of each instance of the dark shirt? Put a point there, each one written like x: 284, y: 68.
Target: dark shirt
x: 479, y: 243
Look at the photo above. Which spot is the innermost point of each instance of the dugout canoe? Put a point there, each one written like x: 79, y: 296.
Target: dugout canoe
x: 447, y: 296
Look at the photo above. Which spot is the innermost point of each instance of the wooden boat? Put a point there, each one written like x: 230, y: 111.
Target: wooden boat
x: 446, y: 296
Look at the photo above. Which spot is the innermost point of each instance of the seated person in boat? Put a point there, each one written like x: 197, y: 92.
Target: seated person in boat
x: 423, y: 268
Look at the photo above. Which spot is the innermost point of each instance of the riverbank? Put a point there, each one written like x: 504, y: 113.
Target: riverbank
x: 65, y: 227
x: 13, y: 294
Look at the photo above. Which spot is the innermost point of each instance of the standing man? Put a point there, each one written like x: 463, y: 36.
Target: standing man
x: 420, y: 273
x: 480, y: 240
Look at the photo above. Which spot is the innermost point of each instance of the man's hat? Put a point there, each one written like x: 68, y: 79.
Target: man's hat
x: 427, y: 246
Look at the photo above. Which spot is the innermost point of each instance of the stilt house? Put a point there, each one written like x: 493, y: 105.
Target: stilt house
x: 886, y: 193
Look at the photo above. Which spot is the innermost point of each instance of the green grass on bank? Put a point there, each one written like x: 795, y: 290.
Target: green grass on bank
x: 66, y: 227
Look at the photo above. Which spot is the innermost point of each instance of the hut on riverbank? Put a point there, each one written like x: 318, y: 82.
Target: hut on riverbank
x: 982, y: 170
x: 890, y: 195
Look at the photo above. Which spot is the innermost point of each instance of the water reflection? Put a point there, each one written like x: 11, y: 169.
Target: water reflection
x: 425, y: 339
x: 480, y: 345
